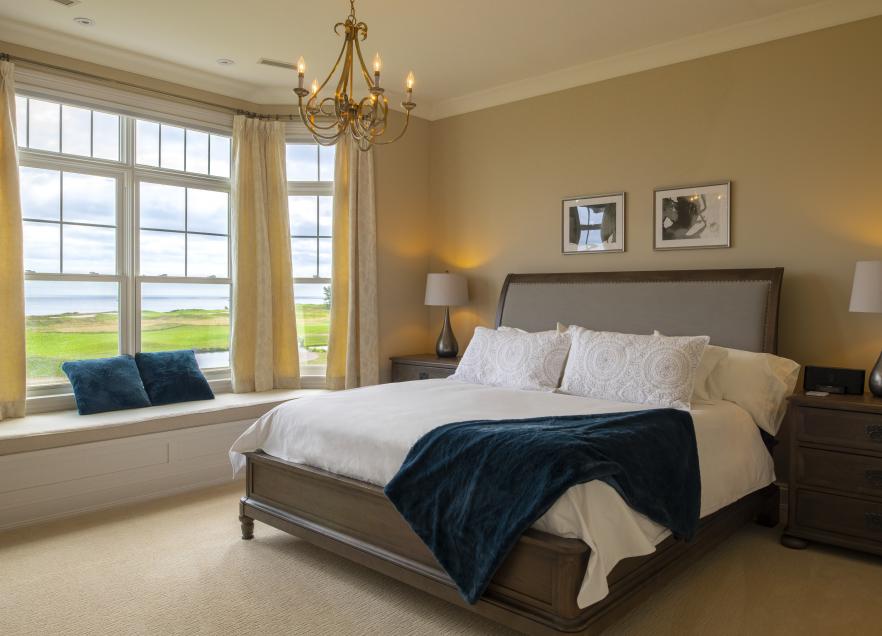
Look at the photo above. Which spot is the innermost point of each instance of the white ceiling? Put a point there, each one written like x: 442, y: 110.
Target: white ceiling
x: 466, y: 54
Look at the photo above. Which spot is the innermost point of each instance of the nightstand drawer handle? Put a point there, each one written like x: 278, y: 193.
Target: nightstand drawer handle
x: 424, y: 375
x: 874, y: 432
x: 874, y: 478
x: 873, y: 521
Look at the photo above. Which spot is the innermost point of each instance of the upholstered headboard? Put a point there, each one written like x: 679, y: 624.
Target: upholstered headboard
x: 737, y: 308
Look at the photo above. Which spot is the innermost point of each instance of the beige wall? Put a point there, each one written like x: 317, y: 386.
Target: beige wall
x: 795, y: 124
x: 402, y: 187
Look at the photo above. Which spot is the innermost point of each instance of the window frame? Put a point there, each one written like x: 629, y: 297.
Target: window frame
x: 129, y: 174
x: 316, y: 189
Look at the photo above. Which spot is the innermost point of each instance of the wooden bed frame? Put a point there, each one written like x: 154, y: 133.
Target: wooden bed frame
x: 535, y: 589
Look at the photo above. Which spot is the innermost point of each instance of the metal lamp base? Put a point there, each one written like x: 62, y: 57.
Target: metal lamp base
x: 446, y: 346
x: 876, y: 378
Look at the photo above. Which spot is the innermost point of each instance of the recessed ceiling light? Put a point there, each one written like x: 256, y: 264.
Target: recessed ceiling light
x: 225, y: 61
x: 85, y: 21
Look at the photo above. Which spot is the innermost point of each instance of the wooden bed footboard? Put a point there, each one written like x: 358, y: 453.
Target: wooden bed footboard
x: 535, y: 589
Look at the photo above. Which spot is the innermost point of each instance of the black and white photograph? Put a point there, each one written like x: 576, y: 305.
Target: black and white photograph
x: 594, y: 224
x: 692, y: 217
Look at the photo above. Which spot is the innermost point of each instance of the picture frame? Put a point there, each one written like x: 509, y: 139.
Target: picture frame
x: 692, y: 217
x: 593, y: 224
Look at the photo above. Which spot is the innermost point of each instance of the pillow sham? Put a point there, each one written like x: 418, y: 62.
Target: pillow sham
x: 642, y: 369
x: 703, y: 391
x: 106, y: 384
x: 172, y: 376
x: 514, y: 359
x: 757, y: 382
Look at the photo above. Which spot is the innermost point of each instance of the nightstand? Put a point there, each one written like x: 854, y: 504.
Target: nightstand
x: 422, y: 367
x: 835, y: 472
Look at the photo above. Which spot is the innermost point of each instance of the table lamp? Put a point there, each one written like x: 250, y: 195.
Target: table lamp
x: 866, y: 296
x: 446, y: 290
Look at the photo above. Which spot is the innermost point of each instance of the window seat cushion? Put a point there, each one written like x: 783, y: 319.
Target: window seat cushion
x: 172, y: 376
x: 66, y: 428
x: 106, y: 384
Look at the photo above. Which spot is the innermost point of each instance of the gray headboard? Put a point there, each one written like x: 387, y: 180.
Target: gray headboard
x: 737, y: 308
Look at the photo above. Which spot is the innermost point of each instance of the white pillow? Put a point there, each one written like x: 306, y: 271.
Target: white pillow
x: 703, y: 391
x: 632, y: 368
x: 514, y: 359
x: 757, y: 382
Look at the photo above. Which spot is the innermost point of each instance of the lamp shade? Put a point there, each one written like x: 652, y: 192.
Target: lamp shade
x: 866, y: 293
x: 446, y: 290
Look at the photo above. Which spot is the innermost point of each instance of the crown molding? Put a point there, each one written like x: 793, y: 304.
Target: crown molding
x: 781, y: 25
x: 814, y: 17
x: 70, y: 46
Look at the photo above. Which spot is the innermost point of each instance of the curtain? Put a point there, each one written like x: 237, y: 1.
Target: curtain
x: 13, y: 374
x: 353, y: 350
x: 264, y: 333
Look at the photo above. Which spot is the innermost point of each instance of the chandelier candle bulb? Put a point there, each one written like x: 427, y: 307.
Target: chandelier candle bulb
x: 315, y: 87
x: 409, y: 83
x: 301, y: 69
x: 378, y: 65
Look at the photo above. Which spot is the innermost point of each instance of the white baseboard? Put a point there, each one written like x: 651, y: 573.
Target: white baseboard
x: 50, y: 484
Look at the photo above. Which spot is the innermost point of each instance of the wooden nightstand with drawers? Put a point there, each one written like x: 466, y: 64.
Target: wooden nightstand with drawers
x: 835, y: 472
x: 422, y: 367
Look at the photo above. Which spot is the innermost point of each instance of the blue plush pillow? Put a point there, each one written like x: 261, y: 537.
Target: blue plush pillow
x: 106, y: 384
x: 172, y: 376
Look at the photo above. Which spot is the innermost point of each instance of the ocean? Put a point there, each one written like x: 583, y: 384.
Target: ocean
x: 53, y: 305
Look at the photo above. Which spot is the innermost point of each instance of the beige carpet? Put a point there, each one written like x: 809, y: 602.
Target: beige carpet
x: 177, y: 566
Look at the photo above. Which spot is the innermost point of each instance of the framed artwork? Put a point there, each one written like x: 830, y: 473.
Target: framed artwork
x: 692, y: 217
x: 593, y: 224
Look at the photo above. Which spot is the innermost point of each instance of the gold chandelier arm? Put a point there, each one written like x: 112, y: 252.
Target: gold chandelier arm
x: 308, y: 116
x: 400, y: 135
x: 364, y: 70
x: 316, y: 132
x: 333, y: 70
x: 327, y: 112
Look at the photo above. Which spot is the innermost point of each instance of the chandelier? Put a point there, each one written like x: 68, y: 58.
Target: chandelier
x: 330, y: 117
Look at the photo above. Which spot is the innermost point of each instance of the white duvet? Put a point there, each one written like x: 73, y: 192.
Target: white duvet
x: 366, y: 434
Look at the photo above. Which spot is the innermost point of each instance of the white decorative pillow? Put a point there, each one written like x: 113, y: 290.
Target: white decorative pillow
x: 631, y: 368
x: 514, y: 359
x: 705, y: 391
x: 757, y: 382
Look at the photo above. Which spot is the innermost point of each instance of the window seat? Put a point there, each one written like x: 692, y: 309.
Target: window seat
x: 67, y: 428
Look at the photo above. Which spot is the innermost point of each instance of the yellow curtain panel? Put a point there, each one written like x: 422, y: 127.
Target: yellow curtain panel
x: 353, y: 349
x: 264, y: 332
x: 12, y: 316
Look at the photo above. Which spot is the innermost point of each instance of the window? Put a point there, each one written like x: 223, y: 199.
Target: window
x: 310, y: 171
x: 54, y: 127
x: 126, y: 237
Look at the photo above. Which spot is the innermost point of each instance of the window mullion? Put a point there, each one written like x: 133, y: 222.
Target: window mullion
x: 61, y: 221
x: 129, y: 230
x: 133, y: 240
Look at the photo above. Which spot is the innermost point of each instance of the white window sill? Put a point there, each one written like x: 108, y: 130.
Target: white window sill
x: 66, y: 428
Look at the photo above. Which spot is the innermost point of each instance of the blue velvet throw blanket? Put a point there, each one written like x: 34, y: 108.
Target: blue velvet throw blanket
x: 470, y: 489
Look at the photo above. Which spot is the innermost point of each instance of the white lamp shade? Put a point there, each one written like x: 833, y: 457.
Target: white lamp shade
x: 446, y: 290
x: 866, y: 293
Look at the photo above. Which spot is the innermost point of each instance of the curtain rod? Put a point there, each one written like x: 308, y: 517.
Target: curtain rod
x: 237, y: 111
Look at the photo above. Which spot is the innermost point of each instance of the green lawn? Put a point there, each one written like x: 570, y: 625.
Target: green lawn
x: 51, y: 340
x: 313, y: 324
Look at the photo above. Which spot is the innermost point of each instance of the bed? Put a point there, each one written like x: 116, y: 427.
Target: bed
x: 541, y: 586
